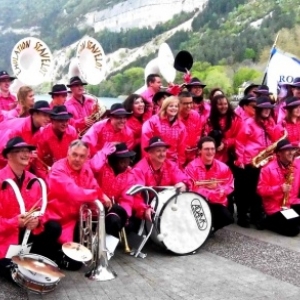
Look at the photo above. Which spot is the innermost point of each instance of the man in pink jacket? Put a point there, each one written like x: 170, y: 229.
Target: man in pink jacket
x: 58, y: 94
x: 12, y: 223
x: 54, y: 141
x: 279, y: 185
x: 206, y: 167
x: 78, y: 105
x: 113, y: 129
x: 7, y: 100
x: 156, y: 170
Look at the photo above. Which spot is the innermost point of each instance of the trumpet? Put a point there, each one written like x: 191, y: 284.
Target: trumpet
x: 93, y: 215
x: 208, y: 181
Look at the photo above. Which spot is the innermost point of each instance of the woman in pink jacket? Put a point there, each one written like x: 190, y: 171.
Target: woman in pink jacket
x: 279, y: 187
x: 224, y: 121
x: 206, y: 167
x: 167, y: 125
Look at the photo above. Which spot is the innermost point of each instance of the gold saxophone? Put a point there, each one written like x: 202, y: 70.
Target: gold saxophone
x: 263, y: 157
x: 288, y: 180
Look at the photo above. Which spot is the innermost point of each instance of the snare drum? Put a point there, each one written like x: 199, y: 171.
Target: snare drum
x: 183, y: 222
x: 34, y: 282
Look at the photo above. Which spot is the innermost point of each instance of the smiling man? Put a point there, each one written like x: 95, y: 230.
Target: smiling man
x: 7, y: 100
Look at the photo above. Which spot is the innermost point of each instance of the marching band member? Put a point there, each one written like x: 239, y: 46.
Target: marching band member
x: 113, y: 129
x: 262, y: 91
x: 255, y: 136
x: 168, y: 126
x: 206, y: 167
x: 136, y: 105
x: 158, y: 99
x: 279, y: 187
x: 25, y: 102
x: 58, y: 94
x: 54, y: 142
x: 71, y: 183
x: 156, y: 169
x: 246, y: 108
x: 28, y: 128
x: 224, y: 121
x: 153, y: 82
x: 78, y: 105
x: 196, y: 87
x: 191, y: 119
x: 114, y: 178
x: 7, y: 100
x: 291, y: 123
x: 12, y: 223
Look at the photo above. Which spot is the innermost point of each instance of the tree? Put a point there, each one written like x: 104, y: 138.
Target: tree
x: 244, y: 74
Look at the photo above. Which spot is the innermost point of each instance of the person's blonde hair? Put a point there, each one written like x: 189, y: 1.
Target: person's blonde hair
x: 22, y: 95
x: 163, y: 110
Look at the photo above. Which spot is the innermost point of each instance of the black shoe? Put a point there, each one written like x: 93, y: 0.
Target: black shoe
x: 243, y: 223
x: 259, y: 225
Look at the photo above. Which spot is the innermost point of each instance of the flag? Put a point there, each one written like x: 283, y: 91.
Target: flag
x: 282, y: 69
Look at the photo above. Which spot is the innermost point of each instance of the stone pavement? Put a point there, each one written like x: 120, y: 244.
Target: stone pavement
x: 236, y: 263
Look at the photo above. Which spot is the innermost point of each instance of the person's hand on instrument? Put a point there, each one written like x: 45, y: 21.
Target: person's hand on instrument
x: 88, y: 122
x: 181, y: 186
x: 32, y: 223
x: 107, y: 202
x: 21, y: 221
x: 148, y: 214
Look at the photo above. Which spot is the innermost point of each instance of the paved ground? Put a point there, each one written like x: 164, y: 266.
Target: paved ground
x: 235, y: 264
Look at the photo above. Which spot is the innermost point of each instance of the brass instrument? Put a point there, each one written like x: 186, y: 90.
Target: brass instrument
x: 208, y: 181
x: 263, y: 157
x: 95, y: 116
x: 92, y: 217
x: 288, y: 180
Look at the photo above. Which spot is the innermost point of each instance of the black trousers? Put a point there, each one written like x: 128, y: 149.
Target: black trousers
x: 44, y: 244
x: 279, y: 224
x: 246, y: 197
x: 221, y: 216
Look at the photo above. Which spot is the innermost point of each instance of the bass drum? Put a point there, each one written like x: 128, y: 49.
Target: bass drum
x: 34, y: 282
x: 183, y: 221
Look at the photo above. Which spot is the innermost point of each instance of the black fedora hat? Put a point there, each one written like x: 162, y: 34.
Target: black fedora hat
x: 156, y: 142
x: 122, y: 151
x: 195, y: 82
x: 249, y: 87
x: 15, y: 143
x: 117, y: 109
x: 262, y: 90
x: 59, y: 89
x: 291, y: 102
x: 60, y: 112
x: 183, y: 61
x: 285, y: 145
x: 264, y: 102
x: 246, y: 100
x: 5, y: 75
x: 157, y: 96
x: 41, y: 106
x: 75, y: 81
x: 296, y: 82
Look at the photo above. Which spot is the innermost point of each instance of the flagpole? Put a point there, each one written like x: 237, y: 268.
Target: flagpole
x: 271, y: 54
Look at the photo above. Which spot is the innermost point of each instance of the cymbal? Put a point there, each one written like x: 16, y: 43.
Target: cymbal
x: 37, y: 266
x: 77, y: 251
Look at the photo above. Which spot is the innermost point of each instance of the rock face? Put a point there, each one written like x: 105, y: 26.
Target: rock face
x: 140, y: 13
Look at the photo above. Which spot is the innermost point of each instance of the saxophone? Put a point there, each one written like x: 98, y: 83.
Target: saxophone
x: 289, y: 178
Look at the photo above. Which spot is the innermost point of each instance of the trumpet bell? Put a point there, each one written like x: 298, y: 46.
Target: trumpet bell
x: 91, y: 60
x: 32, y: 61
x: 183, y: 61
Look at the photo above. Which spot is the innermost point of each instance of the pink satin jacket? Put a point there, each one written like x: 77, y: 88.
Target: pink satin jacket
x: 7, y: 103
x: 197, y: 171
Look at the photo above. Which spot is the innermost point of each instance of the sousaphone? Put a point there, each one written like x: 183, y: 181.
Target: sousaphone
x: 32, y: 61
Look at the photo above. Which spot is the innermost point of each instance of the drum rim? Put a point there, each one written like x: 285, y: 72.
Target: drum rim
x: 163, y: 208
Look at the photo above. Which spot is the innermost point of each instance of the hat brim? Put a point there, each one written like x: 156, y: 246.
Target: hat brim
x: 246, y: 91
x: 124, y: 155
x: 32, y: 110
x: 61, y: 117
x: 262, y: 92
x: 287, y: 147
x: 121, y: 113
x: 79, y: 83
x: 7, y: 77
x: 268, y: 106
x: 156, y: 145
x: 292, y: 104
x: 245, y: 102
x: 9, y: 149
x: 189, y: 85
x: 59, y: 93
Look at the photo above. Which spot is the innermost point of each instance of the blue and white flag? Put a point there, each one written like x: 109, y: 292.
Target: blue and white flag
x: 282, y: 69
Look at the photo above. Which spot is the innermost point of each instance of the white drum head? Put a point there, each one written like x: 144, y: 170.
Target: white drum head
x: 186, y: 225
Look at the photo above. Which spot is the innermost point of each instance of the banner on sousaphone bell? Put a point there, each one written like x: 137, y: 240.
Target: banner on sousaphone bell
x: 32, y: 61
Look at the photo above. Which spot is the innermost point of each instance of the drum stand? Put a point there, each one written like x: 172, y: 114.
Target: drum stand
x: 132, y: 191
